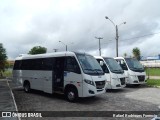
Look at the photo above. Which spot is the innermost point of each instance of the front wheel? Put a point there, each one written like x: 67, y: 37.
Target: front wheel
x: 27, y: 88
x: 71, y: 95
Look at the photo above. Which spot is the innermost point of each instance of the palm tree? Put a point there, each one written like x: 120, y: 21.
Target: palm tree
x: 136, y: 53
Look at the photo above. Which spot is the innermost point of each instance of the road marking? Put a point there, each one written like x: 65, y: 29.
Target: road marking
x: 13, y: 99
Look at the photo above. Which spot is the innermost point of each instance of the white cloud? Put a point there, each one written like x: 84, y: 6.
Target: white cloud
x: 26, y: 23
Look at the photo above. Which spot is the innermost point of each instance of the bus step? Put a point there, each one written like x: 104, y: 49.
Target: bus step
x: 59, y: 92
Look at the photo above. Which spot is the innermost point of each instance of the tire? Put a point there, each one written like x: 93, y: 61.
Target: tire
x: 27, y: 87
x: 71, y: 94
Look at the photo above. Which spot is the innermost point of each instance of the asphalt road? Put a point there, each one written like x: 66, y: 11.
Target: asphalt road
x: 141, y: 98
x: 6, y: 99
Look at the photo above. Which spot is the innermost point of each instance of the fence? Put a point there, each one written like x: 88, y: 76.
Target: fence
x: 151, y: 64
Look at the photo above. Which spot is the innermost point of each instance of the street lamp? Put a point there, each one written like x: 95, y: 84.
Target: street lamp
x: 63, y: 44
x: 116, y: 27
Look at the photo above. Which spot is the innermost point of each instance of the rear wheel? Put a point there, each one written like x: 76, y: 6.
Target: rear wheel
x: 71, y: 94
x: 27, y: 88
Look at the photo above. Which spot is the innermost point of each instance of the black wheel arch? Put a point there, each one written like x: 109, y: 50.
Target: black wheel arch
x: 25, y: 82
x: 70, y: 86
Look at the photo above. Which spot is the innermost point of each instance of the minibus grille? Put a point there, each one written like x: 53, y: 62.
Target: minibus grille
x: 141, y: 78
x: 122, y: 81
x: 100, y: 84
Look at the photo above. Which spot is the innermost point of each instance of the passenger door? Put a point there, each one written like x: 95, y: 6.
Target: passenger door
x: 58, y: 74
x: 72, y: 74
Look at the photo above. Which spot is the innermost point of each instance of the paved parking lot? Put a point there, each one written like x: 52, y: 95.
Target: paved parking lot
x: 141, y: 98
x: 6, y: 99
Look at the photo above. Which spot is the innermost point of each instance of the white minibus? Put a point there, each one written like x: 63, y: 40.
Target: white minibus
x: 134, y: 71
x: 71, y: 73
x: 113, y: 72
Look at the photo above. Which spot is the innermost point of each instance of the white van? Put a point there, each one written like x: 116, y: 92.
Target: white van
x: 134, y: 71
x: 113, y: 72
x: 74, y: 74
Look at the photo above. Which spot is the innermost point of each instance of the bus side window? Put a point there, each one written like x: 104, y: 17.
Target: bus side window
x: 72, y: 65
x: 17, y: 65
x: 104, y: 67
x: 48, y: 63
x: 122, y: 64
x: 24, y: 65
x: 37, y: 64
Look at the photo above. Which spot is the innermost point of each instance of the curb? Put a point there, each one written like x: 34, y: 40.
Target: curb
x: 5, y: 80
x: 154, y: 86
x: 154, y: 77
x: 13, y: 97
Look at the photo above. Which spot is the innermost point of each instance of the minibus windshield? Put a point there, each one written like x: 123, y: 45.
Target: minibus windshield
x: 113, y: 65
x: 89, y: 64
x: 134, y: 65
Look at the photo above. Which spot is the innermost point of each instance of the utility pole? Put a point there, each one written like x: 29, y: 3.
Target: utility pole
x: 55, y: 50
x: 117, y: 40
x: 99, y: 38
x: 116, y: 27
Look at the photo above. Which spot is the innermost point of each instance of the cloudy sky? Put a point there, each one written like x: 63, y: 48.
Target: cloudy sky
x: 28, y: 23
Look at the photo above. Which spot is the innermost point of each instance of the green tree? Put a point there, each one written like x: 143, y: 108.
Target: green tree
x: 7, y: 65
x: 3, y: 58
x: 37, y: 50
x: 136, y: 53
x: 125, y: 55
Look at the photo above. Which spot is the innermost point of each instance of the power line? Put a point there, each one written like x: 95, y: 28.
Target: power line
x: 110, y: 41
x: 141, y: 36
x: 135, y: 37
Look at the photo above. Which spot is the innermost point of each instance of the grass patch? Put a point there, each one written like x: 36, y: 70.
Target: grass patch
x: 153, y: 82
x: 7, y: 73
x: 153, y: 71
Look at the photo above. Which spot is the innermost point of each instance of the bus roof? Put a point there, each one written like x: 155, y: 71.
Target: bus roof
x: 101, y: 57
x: 55, y: 54
x: 123, y: 58
x: 119, y: 58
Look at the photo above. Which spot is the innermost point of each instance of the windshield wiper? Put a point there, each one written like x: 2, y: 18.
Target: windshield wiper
x: 116, y: 70
x: 89, y: 69
x: 96, y: 70
x: 138, y: 68
x: 120, y: 71
x: 132, y: 68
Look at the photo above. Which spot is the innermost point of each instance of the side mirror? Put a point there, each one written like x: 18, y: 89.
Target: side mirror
x: 106, y: 70
x: 124, y: 67
x: 78, y: 70
x: 122, y: 62
x: 101, y: 63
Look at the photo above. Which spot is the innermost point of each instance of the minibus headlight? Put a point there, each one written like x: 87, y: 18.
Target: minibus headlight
x: 89, y: 82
